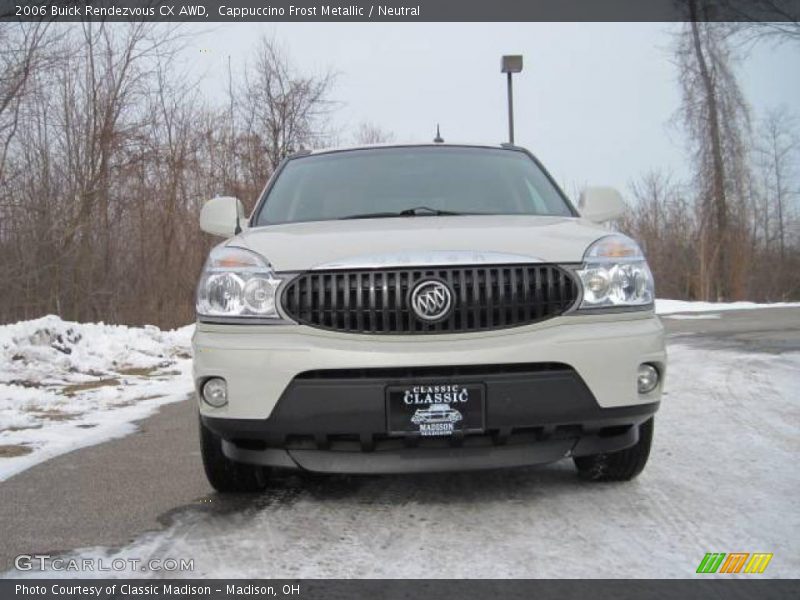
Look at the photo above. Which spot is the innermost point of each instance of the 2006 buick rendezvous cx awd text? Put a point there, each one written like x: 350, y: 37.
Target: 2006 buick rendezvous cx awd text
x: 423, y: 308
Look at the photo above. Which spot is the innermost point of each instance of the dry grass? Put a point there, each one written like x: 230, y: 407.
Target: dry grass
x: 53, y: 414
x: 76, y: 388
x: 12, y: 450
x: 138, y: 371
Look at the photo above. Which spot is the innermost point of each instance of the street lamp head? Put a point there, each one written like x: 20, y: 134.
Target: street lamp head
x: 511, y: 63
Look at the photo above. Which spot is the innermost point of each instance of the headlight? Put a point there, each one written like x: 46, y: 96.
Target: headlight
x: 237, y: 283
x: 615, y: 273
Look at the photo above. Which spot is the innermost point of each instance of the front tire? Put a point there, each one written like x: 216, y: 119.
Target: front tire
x: 224, y: 474
x: 618, y: 466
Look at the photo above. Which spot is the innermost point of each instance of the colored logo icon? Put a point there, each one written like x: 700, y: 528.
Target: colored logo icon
x: 736, y: 562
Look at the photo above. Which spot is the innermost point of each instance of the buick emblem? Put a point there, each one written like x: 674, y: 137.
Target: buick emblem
x: 431, y: 300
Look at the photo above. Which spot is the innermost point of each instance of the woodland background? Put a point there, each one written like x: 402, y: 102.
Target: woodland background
x: 108, y: 151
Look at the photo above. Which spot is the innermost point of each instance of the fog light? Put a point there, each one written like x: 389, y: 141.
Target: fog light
x: 215, y: 392
x: 647, y: 379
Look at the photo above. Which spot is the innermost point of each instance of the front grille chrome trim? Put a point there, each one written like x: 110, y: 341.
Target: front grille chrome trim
x: 377, y: 301
x: 426, y: 259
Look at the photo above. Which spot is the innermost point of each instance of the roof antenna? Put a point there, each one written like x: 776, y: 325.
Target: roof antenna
x: 438, y: 139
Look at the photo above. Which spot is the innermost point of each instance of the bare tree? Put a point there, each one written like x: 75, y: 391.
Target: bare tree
x: 370, y: 133
x: 282, y: 111
x: 776, y: 190
x: 23, y: 51
x: 73, y: 152
x: 775, y: 21
x: 113, y: 155
x: 778, y: 148
x: 661, y: 219
x: 717, y: 120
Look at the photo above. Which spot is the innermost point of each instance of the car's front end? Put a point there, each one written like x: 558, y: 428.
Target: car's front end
x: 324, y: 345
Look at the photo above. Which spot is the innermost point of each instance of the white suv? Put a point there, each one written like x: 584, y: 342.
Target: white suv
x: 372, y: 282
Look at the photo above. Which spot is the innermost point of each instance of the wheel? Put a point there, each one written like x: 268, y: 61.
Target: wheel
x: 224, y: 474
x: 618, y: 466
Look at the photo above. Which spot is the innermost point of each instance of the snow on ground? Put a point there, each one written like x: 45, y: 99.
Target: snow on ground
x: 66, y: 385
x: 664, y: 306
x: 722, y: 477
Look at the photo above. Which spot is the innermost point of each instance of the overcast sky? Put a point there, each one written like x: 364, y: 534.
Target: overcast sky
x: 596, y: 102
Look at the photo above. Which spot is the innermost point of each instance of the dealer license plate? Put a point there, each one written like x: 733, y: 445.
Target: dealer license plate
x: 435, y: 409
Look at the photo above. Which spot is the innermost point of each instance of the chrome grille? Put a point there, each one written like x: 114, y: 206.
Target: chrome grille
x: 377, y: 300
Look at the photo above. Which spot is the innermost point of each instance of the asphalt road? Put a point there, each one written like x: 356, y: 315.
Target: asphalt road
x: 109, y: 494
x: 759, y: 330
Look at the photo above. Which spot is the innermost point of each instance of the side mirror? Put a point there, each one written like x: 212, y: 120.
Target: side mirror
x: 601, y: 204
x: 223, y: 216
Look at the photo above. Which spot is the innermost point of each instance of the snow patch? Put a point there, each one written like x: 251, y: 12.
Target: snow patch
x: 66, y: 385
x: 664, y: 306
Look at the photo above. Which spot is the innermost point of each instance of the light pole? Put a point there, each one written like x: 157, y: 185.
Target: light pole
x: 511, y: 64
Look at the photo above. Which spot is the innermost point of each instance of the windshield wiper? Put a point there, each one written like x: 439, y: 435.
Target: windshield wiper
x: 375, y: 215
x: 417, y: 211
x: 424, y: 211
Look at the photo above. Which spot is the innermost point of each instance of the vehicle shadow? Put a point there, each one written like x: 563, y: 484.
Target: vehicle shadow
x: 286, y: 488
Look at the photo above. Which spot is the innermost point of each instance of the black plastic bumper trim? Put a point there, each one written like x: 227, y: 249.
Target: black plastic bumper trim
x: 336, y: 423
x: 429, y: 460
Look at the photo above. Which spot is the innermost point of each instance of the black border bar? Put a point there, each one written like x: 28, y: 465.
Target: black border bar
x: 397, y: 589
x: 211, y: 11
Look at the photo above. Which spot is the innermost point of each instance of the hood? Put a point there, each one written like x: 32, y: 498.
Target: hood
x: 302, y: 246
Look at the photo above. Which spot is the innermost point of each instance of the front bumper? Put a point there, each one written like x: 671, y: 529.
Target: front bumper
x: 259, y: 361
x: 301, y: 397
x: 336, y: 421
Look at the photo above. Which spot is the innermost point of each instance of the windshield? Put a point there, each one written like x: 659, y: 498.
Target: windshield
x: 410, y: 181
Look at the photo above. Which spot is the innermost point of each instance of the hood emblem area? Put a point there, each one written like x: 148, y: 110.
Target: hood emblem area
x: 431, y: 300
x: 424, y: 259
